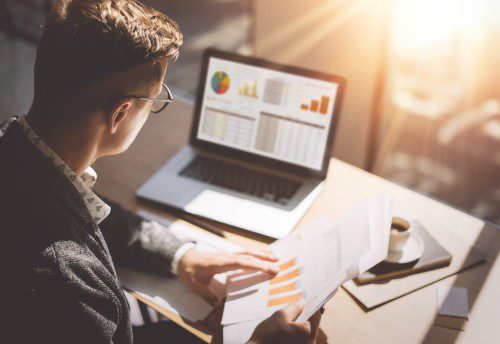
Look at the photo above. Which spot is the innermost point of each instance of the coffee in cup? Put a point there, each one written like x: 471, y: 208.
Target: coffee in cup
x: 400, y: 232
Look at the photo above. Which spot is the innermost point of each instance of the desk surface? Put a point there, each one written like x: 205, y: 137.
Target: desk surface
x: 407, y: 319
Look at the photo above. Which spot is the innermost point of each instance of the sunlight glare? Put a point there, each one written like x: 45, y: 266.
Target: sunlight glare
x: 420, y: 25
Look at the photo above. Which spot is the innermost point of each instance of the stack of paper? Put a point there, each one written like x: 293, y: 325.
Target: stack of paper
x: 314, y: 262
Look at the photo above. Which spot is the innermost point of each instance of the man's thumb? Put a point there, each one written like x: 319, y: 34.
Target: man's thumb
x: 293, y: 310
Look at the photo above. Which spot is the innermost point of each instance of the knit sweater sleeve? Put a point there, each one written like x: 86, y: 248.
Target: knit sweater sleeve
x: 66, y: 301
x: 138, y: 243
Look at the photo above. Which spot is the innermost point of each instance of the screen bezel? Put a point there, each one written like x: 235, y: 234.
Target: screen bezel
x: 252, y: 157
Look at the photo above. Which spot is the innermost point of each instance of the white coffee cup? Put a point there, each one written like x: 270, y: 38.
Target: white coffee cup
x: 400, y: 232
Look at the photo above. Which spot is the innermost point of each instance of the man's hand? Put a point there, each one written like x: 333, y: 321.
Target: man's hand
x: 280, y: 328
x: 197, y: 268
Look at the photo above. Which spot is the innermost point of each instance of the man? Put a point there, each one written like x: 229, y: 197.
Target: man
x: 98, y: 75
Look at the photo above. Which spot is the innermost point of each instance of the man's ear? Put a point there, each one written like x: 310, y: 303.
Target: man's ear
x: 120, y: 111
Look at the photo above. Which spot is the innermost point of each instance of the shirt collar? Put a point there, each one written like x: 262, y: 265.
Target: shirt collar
x: 83, y: 184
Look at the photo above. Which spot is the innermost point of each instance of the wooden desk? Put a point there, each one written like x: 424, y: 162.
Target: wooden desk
x: 406, y: 320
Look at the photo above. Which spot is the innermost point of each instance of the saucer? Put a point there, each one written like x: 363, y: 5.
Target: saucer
x: 410, y: 252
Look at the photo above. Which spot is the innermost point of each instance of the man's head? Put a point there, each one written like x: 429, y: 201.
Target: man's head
x: 95, y: 58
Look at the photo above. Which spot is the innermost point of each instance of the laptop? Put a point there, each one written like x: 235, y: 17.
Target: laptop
x: 260, y: 144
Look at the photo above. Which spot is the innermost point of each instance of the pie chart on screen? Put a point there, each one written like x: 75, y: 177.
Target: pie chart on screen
x: 220, y: 82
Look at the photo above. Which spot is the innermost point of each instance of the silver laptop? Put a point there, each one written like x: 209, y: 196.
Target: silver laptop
x: 261, y: 140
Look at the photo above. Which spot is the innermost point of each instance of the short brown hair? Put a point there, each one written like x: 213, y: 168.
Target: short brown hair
x: 85, y: 41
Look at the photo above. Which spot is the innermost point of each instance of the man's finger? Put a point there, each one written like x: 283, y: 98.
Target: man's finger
x: 303, y: 330
x: 293, y: 310
x: 314, y: 320
x: 264, y: 255
x: 247, y: 263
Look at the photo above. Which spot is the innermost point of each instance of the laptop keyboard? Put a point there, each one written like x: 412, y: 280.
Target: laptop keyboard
x: 254, y: 183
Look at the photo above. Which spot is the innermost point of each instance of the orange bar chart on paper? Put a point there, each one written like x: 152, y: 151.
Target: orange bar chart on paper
x: 315, y: 261
x: 286, y: 299
x: 287, y: 265
x: 285, y: 287
x: 285, y: 277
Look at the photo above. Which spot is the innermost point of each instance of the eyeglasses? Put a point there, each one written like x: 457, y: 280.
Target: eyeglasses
x: 159, y: 104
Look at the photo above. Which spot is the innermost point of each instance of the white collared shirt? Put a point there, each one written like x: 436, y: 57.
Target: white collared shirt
x: 84, y: 184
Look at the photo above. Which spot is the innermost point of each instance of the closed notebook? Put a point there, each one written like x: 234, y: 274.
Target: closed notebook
x: 434, y: 256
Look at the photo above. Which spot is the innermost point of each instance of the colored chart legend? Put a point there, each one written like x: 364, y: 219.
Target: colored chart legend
x: 248, y: 90
x: 220, y: 82
x: 317, y: 106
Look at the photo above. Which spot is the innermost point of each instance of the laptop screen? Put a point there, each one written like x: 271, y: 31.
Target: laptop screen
x: 267, y: 112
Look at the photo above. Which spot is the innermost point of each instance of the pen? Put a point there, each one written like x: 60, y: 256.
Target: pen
x: 202, y: 225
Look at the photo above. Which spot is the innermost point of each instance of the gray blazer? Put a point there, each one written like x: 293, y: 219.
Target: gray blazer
x: 58, y: 282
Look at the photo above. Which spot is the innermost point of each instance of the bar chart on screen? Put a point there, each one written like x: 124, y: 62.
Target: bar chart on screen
x: 317, y: 106
x: 314, y: 98
x: 248, y: 89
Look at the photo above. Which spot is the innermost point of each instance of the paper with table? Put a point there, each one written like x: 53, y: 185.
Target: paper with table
x: 170, y: 293
x: 314, y: 262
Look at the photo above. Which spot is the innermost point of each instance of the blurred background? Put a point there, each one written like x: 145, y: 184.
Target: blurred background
x: 422, y: 105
